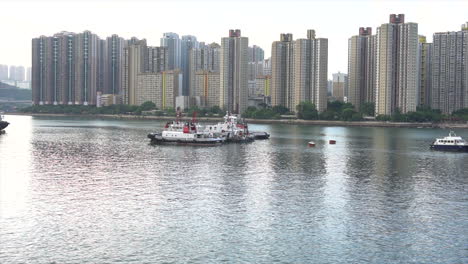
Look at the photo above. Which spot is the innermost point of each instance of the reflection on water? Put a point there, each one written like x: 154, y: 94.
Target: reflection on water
x: 76, y: 190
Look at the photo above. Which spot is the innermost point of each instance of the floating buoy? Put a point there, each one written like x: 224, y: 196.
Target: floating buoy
x: 332, y: 141
x: 311, y: 144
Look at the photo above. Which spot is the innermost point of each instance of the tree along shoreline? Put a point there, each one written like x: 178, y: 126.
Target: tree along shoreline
x: 336, y: 114
x: 459, y: 125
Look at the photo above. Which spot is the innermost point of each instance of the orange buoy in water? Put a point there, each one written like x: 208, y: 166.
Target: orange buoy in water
x: 311, y: 144
x: 332, y: 141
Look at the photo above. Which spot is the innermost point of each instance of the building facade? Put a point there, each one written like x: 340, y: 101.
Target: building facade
x: 16, y: 73
x: 28, y: 74
x: 425, y: 71
x: 299, y: 71
x: 54, y: 72
x: 3, y: 72
x: 172, y: 42
x: 361, y: 68
x: 113, y: 58
x: 206, y: 88
x: 204, y: 58
x: 263, y: 86
x: 158, y: 59
x: 450, y: 71
x: 311, y: 70
x: 256, y: 54
x: 187, y: 44
x: 340, y: 81
x: 234, y: 72
x: 396, y: 66
x: 282, y: 75
x: 160, y: 88
x: 135, y: 56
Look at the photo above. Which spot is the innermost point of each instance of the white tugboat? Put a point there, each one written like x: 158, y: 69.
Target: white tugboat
x: 451, y: 143
x: 231, y: 129
x: 185, y: 133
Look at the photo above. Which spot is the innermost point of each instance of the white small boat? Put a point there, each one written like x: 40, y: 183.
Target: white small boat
x: 451, y: 143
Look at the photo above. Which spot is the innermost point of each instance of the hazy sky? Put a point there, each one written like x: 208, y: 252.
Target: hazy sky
x: 209, y: 20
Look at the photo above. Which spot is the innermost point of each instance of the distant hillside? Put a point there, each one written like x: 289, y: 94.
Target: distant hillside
x: 6, y: 86
x: 8, y: 92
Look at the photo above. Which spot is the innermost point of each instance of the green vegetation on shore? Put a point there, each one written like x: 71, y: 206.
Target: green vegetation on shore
x: 340, y: 111
x: 266, y: 112
x: 306, y: 110
x: 16, y: 94
x: 336, y: 111
x: 422, y: 114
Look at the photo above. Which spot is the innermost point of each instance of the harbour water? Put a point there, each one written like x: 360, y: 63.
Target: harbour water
x: 83, y: 190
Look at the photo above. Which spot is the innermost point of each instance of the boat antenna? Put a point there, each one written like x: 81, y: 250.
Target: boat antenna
x: 194, y: 117
x: 178, y: 114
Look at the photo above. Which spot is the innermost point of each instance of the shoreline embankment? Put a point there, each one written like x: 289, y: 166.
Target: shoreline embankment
x: 267, y: 121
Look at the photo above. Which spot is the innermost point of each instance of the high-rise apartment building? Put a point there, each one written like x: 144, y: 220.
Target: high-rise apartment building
x: 41, y: 70
x: 64, y: 48
x: 311, y: 70
x: 203, y: 58
x: 28, y: 74
x: 233, y: 72
x: 299, y: 71
x: 112, y: 71
x: 256, y: 57
x: 12, y: 73
x: 329, y: 87
x: 267, y: 66
x: 173, y: 44
x: 361, y: 68
x: 340, y: 81
x: 87, y: 65
x: 213, y: 51
x: 263, y: 85
x: 450, y: 71
x: 282, y: 72
x: 206, y: 87
x: 3, y: 72
x: 66, y: 68
x: 256, y: 54
x: 160, y: 88
x: 425, y: 71
x: 16, y: 73
x: 158, y: 59
x: 135, y: 56
x: 254, y: 69
x: 396, y: 66
x: 188, y: 43
x: 54, y: 69
x: 71, y: 68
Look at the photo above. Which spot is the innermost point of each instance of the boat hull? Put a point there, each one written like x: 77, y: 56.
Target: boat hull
x: 157, y: 139
x: 260, y: 135
x: 239, y: 139
x: 3, y: 124
x: 450, y: 148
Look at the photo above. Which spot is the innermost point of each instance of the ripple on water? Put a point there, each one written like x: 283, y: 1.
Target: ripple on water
x: 84, y: 190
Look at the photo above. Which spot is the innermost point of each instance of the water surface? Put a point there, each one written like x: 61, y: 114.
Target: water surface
x: 83, y: 190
